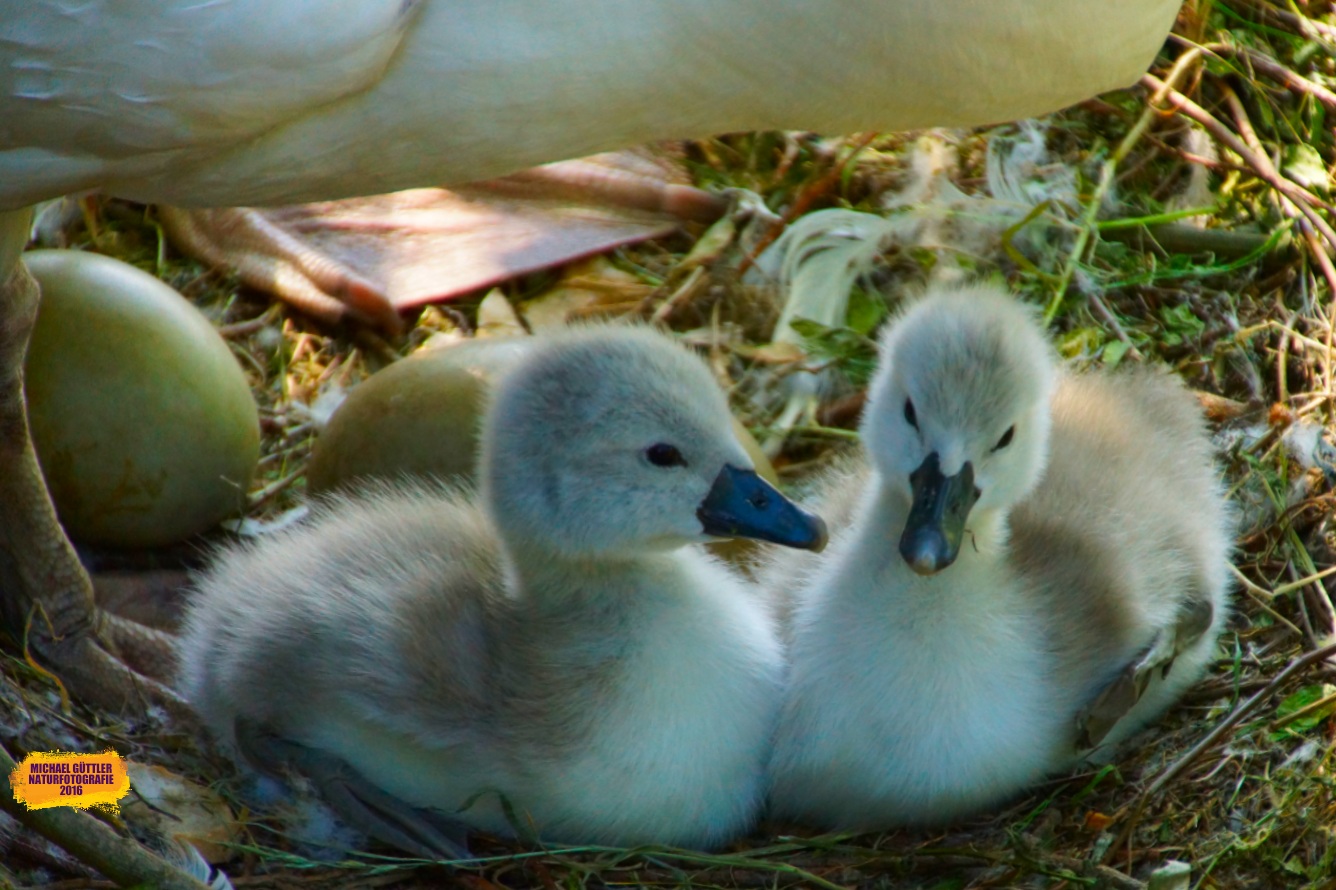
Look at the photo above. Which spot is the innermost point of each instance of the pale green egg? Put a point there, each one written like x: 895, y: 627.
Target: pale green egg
x: 143, y: 421
x: 418, y: 417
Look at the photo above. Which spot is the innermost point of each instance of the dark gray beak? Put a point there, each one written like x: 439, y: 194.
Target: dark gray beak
x: 743, y: 505
x: 936, y: 523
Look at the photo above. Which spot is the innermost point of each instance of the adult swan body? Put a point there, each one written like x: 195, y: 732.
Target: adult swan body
x: 245, y: 102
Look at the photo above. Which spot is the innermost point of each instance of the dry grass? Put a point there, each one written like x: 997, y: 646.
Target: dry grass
x: 1234, y: 118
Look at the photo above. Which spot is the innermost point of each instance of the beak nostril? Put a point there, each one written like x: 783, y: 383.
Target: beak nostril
x: 742, y: 504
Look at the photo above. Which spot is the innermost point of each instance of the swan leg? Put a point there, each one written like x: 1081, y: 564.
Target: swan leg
x: 46, y: 595
x: 1113, y: 703
x: 416, y: 830
x: 370, y: 258
x: 151, y: 597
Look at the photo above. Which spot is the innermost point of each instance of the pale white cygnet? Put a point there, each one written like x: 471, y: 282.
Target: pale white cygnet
x: 1032, y: 565
x: 549, y: 657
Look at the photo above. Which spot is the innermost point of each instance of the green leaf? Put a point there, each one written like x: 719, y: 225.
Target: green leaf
x: 1180, y: 324
x: 1114, y: 351
x: 855, y: 354
x: 1315, y: 116
x: 1304, y: 165
x: 1080, y: 342
x: 1299, y: 700
x: 865, y: 311
x: 1301, y: 55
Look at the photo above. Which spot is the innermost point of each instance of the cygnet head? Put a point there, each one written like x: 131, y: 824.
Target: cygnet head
x: 613, y: 441
x: 958, y: 416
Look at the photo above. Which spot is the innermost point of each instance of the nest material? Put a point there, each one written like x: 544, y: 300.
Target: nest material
x: 1237, y: 297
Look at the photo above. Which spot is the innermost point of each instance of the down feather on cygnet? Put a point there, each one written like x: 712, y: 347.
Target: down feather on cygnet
x: 1029, y: 565
x: 548, y: 656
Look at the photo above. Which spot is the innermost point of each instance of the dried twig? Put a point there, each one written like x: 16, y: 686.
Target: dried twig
x: 1212, y: 738
x: 1303, y: 199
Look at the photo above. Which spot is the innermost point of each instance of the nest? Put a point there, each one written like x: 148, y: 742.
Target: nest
x: 1184, y: 221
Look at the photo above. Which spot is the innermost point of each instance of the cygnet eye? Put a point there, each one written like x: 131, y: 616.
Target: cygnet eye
x: 665, y: 455
x: 1006, y: 439
x: 910, y: 417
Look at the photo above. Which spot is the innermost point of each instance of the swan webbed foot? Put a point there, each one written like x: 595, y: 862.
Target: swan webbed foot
x: 370, y: 258
x: 419, y: 831
x: 1194, y: 620
x: 1111, y: 705
x: 45, y: 595
x: 1095, y: 722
